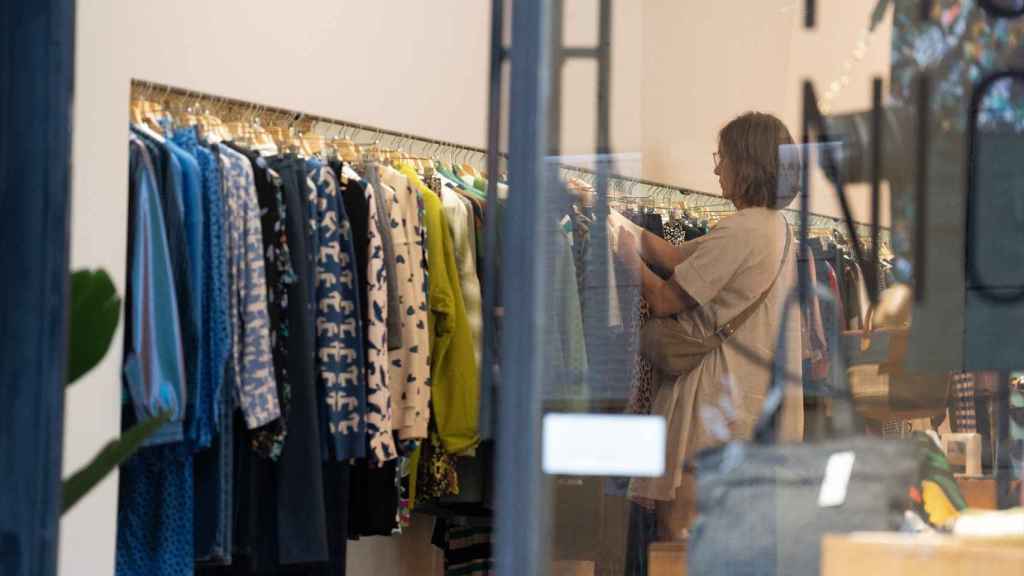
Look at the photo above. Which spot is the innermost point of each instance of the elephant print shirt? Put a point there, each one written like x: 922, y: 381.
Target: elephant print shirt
x: 339, y: 339
x: 251, y: 362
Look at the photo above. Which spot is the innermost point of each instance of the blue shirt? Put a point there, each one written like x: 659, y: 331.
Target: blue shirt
x: 154, y: 361
x: 212, y: 297
x: 192, y: 204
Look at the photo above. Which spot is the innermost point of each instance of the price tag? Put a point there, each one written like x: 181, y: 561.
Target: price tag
x: 837, y: 479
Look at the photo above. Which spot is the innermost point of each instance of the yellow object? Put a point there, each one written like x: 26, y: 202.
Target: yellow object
x: 454, y: 376
x: 940, y: 510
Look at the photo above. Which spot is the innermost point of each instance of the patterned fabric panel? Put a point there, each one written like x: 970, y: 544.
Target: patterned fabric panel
x: 410, y: 365
x: 269, y: 440
x: 214, y: 324
x: 378, y: 397
x: 966, y: 419
x: 251, y: 358
x: 338, y: 329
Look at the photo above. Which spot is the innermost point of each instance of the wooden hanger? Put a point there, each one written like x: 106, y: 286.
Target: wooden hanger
x: 135, y: 113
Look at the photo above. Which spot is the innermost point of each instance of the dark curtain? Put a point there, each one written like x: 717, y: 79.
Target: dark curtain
x: 36, y: 70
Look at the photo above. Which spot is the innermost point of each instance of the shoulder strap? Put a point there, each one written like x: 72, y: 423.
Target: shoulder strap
x: 730, y: 327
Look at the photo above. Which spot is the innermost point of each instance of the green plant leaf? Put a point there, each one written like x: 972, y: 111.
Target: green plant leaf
x: 95, y: 308
x: 113, y: 454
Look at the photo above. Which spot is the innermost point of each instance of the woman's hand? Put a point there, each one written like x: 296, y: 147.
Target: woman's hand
x: 627, y: 249
x: 626, y: 244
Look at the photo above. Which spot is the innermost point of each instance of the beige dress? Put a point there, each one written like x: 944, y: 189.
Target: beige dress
x: 725, y: 271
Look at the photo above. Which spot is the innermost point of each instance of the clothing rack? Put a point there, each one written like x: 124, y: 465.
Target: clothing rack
x: 626, y: 188
x: 635, y: 190
x: 351, y: 130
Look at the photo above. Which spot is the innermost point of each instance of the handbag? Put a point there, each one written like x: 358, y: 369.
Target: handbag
x: 761, y: 506
x: 674, y: 352
x: 881, y: 386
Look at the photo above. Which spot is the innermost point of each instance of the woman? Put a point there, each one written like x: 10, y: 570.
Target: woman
x: 744, y: 268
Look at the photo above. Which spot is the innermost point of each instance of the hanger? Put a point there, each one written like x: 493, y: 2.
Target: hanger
x: 219, y: 127
x: 135, y: 112
x: 143, y: 113
x: 237, y: 126
x: 314, y: 141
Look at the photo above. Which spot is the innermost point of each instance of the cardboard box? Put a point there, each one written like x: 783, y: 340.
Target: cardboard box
x: 894, y: 554
x: 980, y: 491
x: 667, y: 559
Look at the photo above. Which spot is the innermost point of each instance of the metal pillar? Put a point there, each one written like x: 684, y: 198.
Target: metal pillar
x: 519, y: 510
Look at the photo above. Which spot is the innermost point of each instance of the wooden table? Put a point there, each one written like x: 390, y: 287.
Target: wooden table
x: 894, y: 554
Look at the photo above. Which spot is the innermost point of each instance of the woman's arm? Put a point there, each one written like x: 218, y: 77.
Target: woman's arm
x: 665, y: 297
x: 659, y: 253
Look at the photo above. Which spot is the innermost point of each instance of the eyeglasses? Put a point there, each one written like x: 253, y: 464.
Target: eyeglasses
x: 717, y: 158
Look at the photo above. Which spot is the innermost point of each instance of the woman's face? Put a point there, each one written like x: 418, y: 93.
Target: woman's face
x: 724, y: 174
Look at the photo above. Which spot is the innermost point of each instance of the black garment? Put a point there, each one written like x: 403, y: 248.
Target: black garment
x: 654, y: 224
x: 467, y: 543
x: 255, y: 516
x: 476, y: 478
x: 213, y: 479
x: 353, y: 195
x: 267, y: 439
x: 301, y: 521
x: 373, y: 504
x: 643, y: 531
x: 337, y: 486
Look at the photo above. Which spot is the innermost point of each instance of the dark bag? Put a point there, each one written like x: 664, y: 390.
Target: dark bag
x: 758, y: 509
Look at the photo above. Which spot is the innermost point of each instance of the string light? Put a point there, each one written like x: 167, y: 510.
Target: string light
x: 857, y: 55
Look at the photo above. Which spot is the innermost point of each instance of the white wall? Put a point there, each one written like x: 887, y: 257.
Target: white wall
x: 680, y: 70
x: 707, y: 62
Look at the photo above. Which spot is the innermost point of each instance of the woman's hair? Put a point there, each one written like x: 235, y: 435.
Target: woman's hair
x: 762, y: 159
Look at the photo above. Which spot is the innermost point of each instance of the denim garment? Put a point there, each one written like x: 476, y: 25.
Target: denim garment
x: 214, y: 492
x: 154, y: 513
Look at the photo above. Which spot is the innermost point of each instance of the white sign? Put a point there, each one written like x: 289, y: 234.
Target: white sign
x: 604, y: 445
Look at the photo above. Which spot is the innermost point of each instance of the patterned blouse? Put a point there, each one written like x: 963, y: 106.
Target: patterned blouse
x: 338, y: 328
x: 269, y: 440
x: 251, y: 362
x: 409, y: 365
x: 378, y: 399
x: 215, y: 327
